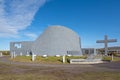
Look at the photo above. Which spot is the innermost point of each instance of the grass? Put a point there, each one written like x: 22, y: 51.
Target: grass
x: 50, y: 59
x: 100, y: 76
x: 27, y: 77
x: 57, y: 60
x: 22, y: 58
x: 21, y: 72
x: 109, y: 58
x: 7, y: 52
x: 58, y: 75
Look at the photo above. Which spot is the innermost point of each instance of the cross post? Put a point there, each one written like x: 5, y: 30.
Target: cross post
x: 106, y: 41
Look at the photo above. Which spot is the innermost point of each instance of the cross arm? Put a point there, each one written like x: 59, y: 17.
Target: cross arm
x: 112, y: 40
x: 100, y: 41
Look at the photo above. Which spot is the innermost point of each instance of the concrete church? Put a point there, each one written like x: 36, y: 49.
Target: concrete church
x: 55, y: 40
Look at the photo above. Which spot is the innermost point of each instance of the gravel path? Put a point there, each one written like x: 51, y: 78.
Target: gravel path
x: 112, y: 66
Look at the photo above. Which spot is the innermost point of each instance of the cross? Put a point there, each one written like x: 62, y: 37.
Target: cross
x: 106, y: 41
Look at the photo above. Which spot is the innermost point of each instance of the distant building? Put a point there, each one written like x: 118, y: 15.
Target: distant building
x: 87, y: 51
x: 114, y: 49
x: 55, y: 40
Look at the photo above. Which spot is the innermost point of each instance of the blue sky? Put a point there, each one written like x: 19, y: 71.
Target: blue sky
x: 25, y: 20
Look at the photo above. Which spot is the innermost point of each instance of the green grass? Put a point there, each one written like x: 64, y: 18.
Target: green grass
x: 22, y: 58
x: 50, y: 59
x: 109, y: 58
x: 57, y: 60
x: 7, y: 52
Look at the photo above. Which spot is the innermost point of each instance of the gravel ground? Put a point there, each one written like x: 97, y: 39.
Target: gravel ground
x: 21, y: 67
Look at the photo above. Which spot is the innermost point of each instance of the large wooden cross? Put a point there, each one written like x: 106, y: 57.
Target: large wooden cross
x: 106, y: 41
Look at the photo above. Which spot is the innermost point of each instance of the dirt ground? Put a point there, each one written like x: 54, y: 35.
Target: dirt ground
x: 60, y: 70
x: 71, y: 68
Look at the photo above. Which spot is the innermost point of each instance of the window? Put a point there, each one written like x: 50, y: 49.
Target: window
x: 17, y: 45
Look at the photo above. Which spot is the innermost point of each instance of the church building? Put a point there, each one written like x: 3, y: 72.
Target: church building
x: 55, y: 40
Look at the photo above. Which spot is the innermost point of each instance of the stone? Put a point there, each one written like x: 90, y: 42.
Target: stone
x: 1, y: 54
x: 69, y: 55
x: 33, y: 57
x: 45, y: 56
x: 76, y: 61
x: 92, y: 59
x: 57, y: 55
x: 63, y: 58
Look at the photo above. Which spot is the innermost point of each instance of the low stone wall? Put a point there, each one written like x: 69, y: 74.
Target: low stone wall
x: 84, y: 61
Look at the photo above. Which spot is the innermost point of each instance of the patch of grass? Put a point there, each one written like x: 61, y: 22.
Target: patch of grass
x: 50, y: 59
x: 27, y: 77
x: 63, y: 76
x: 118, y: 55
x: 5, y: 52
x: 22, y: 58
x: 99, y: 76
x: 57, y: 60
x: 109, y: 58
x: 4, y: 67
x: 76, y: 57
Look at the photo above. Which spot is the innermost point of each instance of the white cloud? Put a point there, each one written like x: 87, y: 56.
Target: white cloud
x: 31, y: 35
x: 17, y: 15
